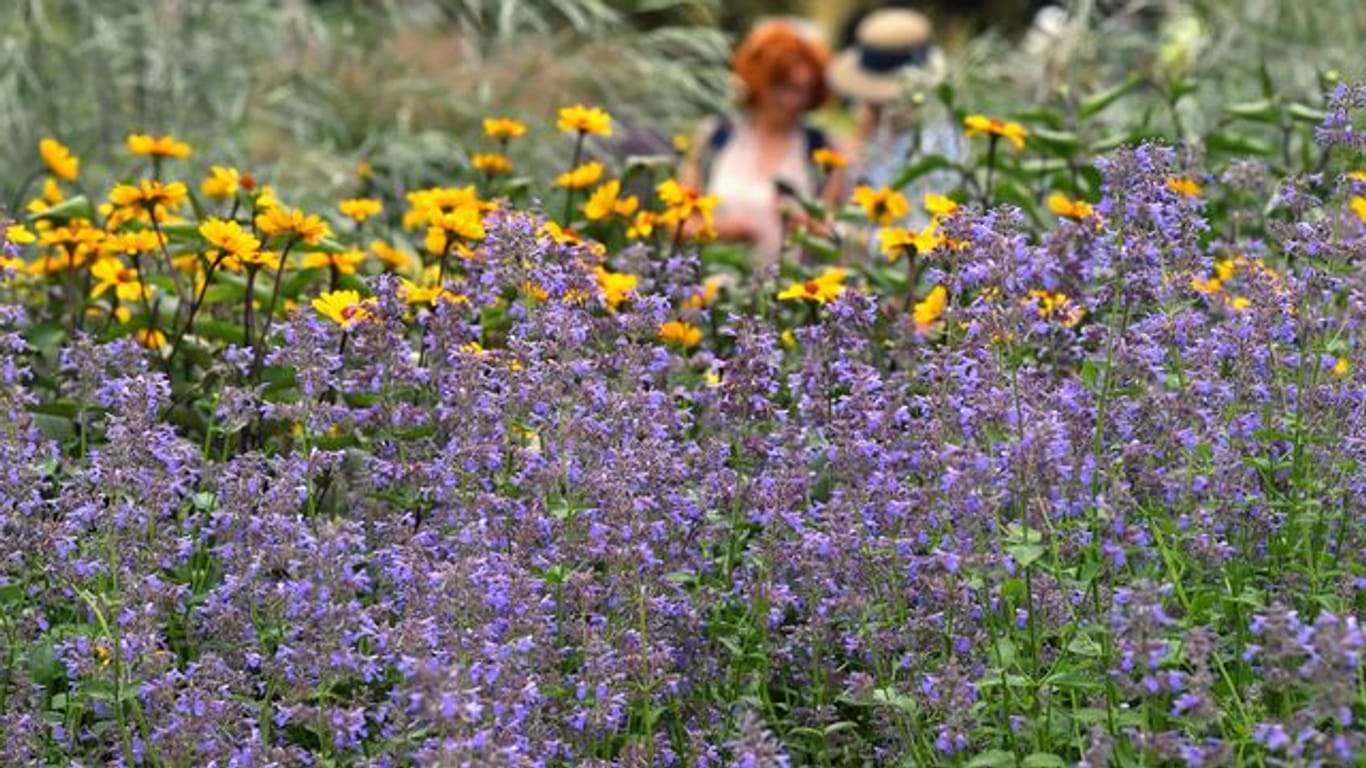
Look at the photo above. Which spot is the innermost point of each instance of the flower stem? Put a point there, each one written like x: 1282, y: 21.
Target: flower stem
x: 569, y: 190
x: 259, y: 352
x: 991, y: 170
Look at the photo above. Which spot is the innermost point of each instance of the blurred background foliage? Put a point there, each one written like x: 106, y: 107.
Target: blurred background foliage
x: 299, y: 91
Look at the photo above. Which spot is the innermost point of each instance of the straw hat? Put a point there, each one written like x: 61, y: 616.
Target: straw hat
x: 893, y: 49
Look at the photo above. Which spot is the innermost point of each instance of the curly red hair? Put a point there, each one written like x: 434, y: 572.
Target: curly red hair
x: 770, y: 53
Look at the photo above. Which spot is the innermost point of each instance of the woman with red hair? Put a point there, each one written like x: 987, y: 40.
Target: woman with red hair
x: 751, y: 162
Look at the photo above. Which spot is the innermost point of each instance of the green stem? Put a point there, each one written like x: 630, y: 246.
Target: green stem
x: 569, y: 190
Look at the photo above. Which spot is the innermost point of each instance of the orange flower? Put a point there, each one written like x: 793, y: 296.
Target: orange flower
x: 683, y: 334
x: 882, y: 206
x: 503, y: 128
x: 59, y: 159
x: 585, y: 175
x: 581, y: 119
x: 157, y: 146
x: 491, y: 163
x: 1184, y: 185
x: 1067, y: 208
x: 828, y: 159
x: 981, y: 125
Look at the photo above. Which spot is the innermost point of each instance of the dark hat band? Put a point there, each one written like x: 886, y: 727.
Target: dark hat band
x: 884, y: 60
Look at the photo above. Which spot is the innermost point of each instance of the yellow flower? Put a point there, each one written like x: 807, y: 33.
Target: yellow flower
x: 604, y: 202
x: 642, y: 226
x: 364, y: 170
x: 1208, y: 287
x: 466, y: 222
x: 149, y: 198
x: 897, y: 240
x: 1224, y: 269
x: 360, y: 208
x: 149, y: 193
x: 981, y: 125
x: 564, y: 236
x: 293, y: 222
x: 930, y: 309
x: 702, y: 297
x: 265, y: 199
x: 132, y: 243
x: 19, y: 235
x: 1357, y: 175
x: 52, y: 195
x: 70, y: 246
x: 534, y: 291
x: 581, y: 119
x: 684, y: 334
x: 111, y: 273
x: 412, y: 293
x: 828, y: 159
x: 150, y: 338
x: 491, y: 163
x: 882, y: 206
x: 59, y: 159
x: 344, y: 308
x: 938, y: 205
x: 345, y: 262
x: 683, y: 203
x: 585, y: 175
x: 157, y: 146
x: 1358, y: 205
x: 1183, y: 185
x: 390, y: 255
x: 1341, y: 367
x: 229, y: 237
x: 222, y: 182
x: 1239, y: 303
x: 788, y: 339
x: 424, y: 202
x: 503, y: 128
x: 827, y: 286
x: 1067, y: 208
x: 1055, y: 305
x: 682, y: 143
x: 616, y: 286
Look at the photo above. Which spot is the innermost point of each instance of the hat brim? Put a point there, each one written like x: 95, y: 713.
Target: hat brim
x: 848, y: 78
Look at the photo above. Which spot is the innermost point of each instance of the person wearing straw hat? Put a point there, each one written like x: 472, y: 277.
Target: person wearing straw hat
x: 891, y: 63
x: 893, y: 52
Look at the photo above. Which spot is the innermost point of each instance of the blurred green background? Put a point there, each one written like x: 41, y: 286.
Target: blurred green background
x: 298, y: 91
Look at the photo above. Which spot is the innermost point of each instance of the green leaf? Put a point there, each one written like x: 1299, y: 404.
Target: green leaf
x: 220, y: 330
x: 77, y: 207
x: 843, y: 725
x: 45, y: 335
x: 915, y: 170
x: 1306, y: 114
x: 65, y: 409
x: 1064, y: 143
x: 220, y: 293
x: 1072, y: 680
x: 992, y: 758
x: 43, y: 665
x: 1262, y: 110
x: 1097, y: 102
x: 1237, y: 144
x: 1084, y: 645
x: 1043, y: 760
x: 822, y: 248
x: 1025, y: 554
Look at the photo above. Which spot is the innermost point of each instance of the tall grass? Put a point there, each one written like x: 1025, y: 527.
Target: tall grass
x: 303, y: 90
